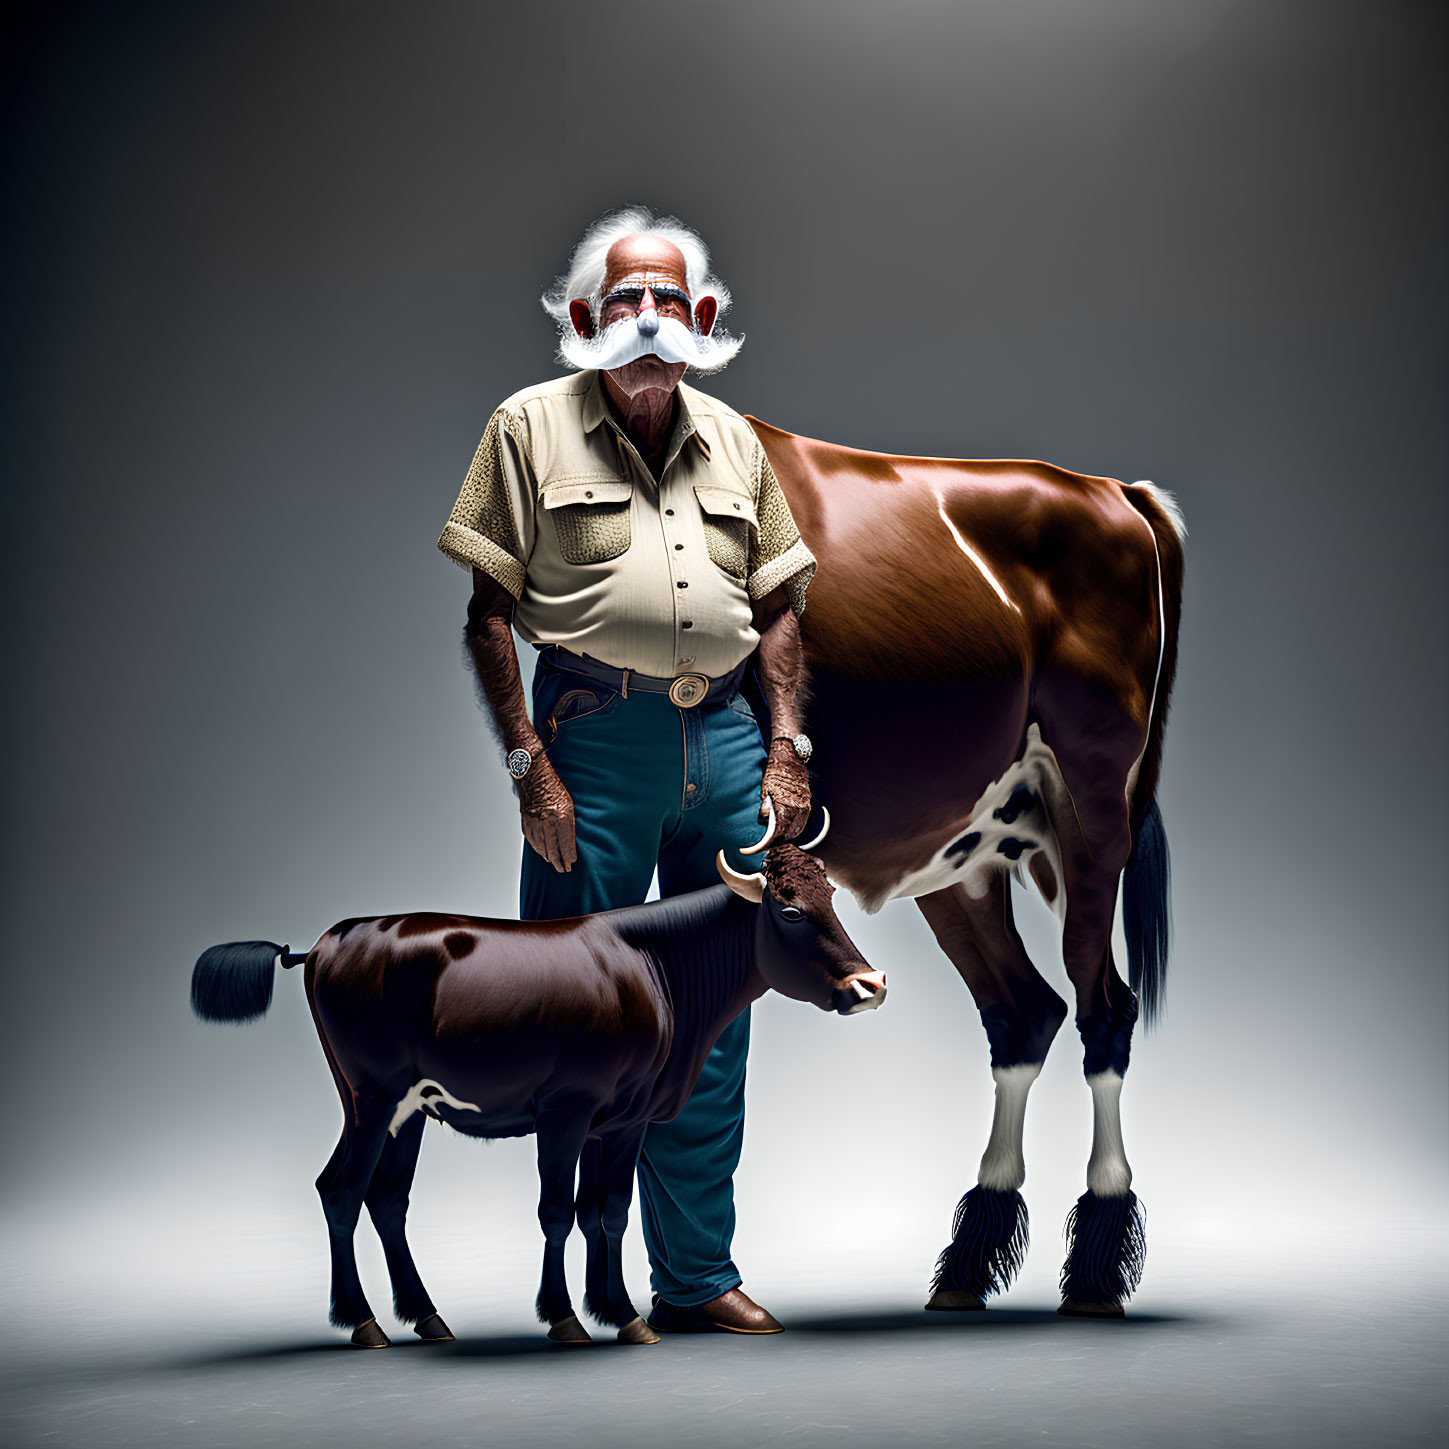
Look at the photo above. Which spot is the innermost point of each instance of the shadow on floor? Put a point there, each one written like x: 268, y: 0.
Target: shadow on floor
x: 989, y: 1321
x: 509, y: 1345
x: 889, y: 1321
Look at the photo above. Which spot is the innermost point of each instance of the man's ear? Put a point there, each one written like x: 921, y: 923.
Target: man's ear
x: 704, y: 314
x: 582, y: 318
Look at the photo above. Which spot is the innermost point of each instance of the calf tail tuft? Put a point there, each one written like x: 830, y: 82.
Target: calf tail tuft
x: 233, y: 981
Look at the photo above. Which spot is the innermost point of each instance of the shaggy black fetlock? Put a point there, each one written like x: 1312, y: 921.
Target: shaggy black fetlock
x: 1106, y: 1248
x: 988, y: 1243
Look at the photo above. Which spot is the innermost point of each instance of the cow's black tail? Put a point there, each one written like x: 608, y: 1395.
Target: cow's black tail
x: 233, y: 982
x: 1147, y: 881
x: 1147, y: 911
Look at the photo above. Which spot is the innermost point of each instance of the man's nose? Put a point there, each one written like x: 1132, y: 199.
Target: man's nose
x: 648, y: 314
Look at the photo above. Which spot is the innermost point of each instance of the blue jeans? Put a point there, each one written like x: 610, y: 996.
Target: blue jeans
x: 655, y: 785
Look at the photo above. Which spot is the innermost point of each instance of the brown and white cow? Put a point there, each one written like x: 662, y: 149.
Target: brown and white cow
x: 991, y: 648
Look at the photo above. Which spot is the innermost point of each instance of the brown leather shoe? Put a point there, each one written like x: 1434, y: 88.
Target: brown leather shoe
x: 732, y: 1312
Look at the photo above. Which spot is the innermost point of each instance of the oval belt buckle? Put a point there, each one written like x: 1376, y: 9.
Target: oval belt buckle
x: 688, y: 690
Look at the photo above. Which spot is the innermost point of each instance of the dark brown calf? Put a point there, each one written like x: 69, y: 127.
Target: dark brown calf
x: 581, y: 1031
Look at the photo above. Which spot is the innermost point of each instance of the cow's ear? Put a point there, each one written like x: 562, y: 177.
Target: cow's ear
x: 747, y: 887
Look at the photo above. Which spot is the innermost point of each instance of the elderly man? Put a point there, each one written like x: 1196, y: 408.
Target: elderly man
x: 630, y: 528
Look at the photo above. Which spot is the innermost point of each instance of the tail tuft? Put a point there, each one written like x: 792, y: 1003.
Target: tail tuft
x: 1147, y: 912
x: 233, y: 982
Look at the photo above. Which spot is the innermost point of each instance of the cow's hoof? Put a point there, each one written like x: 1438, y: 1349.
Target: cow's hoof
x: 955, y: 1300
x: 433, y: 1330
x: 637, y: 1331
x: 569, y: 1330
x: 1081, y: 1308
x: 369, y: 1335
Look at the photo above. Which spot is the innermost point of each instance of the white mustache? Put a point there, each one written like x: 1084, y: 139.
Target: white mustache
x: 649, y: 335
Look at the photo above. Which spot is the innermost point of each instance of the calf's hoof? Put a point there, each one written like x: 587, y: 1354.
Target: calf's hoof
x: 369, y: 1335
x: 637, y: 1331
x: 433, y: 1330
x: 569, y: 1330
x: 955, y: 1300
x: 1080, y: 1308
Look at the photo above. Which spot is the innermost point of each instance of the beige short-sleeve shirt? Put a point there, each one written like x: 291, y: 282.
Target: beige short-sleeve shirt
x: 650, y: 575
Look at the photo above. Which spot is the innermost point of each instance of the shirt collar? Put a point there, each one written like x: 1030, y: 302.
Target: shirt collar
x: 596, y: 411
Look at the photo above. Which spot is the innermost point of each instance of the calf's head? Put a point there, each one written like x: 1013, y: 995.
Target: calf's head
x: 801, y: 948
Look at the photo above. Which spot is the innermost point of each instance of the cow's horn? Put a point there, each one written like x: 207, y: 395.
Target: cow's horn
x: 751, y: 887
x: 824, y: 830
x: 769, y: 834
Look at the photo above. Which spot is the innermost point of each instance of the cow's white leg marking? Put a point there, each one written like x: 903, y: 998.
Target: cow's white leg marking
x: 1003, y: 1164
x: 971, y: 552
x: 1108, y: 1173
x: 426, y: 1091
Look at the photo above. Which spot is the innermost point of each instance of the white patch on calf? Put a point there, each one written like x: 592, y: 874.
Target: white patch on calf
x: 973, y: 869
x: 1003, y: 1165
x: 1108, y: 1173
x: 415, y: 1101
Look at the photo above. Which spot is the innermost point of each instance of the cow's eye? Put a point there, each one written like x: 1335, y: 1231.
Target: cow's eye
x: 791, y: 913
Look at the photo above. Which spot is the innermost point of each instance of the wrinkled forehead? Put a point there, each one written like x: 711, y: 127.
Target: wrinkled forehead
x: 637, y: 260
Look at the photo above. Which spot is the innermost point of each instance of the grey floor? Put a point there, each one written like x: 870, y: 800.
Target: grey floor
x: 146, y: 1337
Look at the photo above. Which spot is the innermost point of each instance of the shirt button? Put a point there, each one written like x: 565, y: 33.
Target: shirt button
x: 682, y: 584
x: 688, y: 624
x: 669, y: 512
x: 589, y: 493
x: 737, y: 506
x: 678, y: 545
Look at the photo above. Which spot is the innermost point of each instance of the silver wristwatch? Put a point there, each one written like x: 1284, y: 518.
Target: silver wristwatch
x: 802, y: 744
x: 520, y: 762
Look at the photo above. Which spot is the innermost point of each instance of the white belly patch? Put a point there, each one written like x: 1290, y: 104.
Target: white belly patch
x: 1007, y: 826
x: 426, y: 1093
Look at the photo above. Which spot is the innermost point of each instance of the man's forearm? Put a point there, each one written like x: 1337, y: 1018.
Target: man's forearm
x: 544, y: 802
x: 489, y: 636
x: 782, y: 664
x: 782, y: 679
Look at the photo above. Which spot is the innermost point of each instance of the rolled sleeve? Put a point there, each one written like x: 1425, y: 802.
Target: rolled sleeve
x: 491, y: 525
x: 778, y: 556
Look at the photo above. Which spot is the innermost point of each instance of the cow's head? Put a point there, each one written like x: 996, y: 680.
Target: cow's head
x: 801, y: 948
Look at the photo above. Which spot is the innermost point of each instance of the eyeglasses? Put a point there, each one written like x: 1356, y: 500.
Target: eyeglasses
x: 669, y: 301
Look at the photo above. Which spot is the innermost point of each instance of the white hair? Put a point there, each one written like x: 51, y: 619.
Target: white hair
x: 585, y: 277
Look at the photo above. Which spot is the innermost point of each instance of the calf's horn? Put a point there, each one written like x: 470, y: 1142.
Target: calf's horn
x: 751, y: 887
x: 769, y: 834
x: 824, y: 830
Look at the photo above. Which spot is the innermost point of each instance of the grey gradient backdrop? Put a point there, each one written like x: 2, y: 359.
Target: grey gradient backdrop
x: 270, y: 267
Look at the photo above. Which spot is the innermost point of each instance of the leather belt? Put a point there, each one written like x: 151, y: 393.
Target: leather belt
x: 684, y: 690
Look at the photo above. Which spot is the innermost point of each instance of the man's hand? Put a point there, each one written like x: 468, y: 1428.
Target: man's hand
x: 548, y: 815
x: 787, y: 783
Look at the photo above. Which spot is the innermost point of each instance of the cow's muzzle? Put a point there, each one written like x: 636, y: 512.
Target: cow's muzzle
x: 860, y: 991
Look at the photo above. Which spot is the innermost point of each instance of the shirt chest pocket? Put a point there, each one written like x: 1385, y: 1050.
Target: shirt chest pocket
x: 590, y: 517
x: 728, y: 518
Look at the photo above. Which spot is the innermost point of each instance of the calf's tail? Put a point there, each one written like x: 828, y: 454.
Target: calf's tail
x: 233, y: 981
